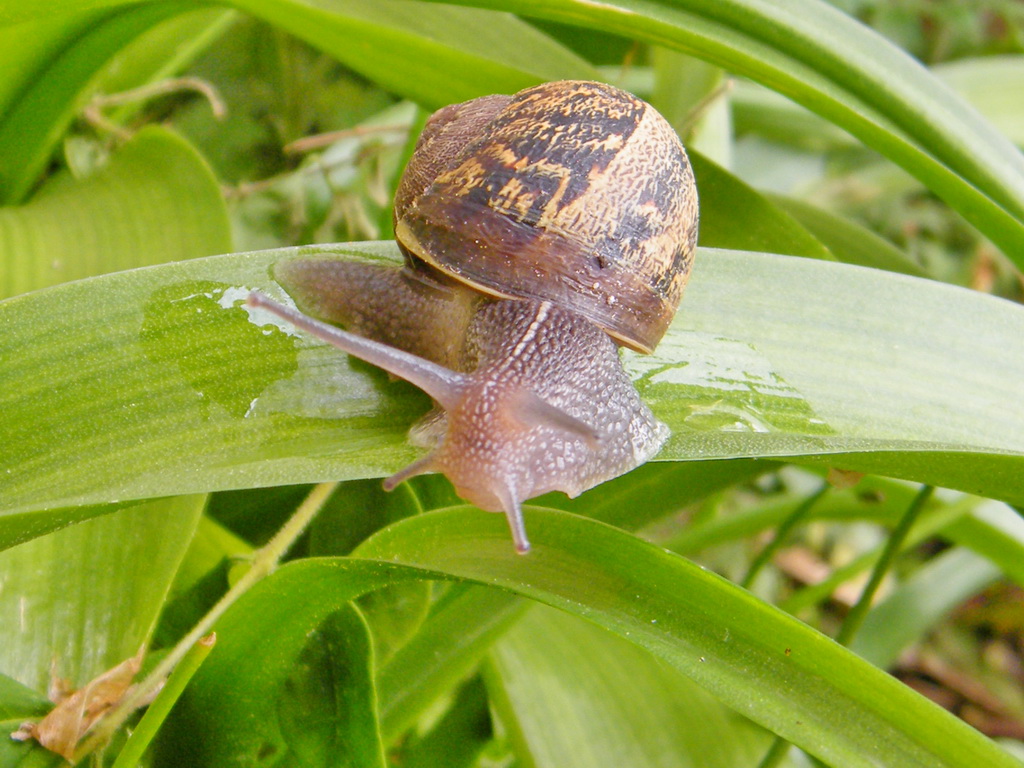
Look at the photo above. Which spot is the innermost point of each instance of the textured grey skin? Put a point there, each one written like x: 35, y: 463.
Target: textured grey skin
x: 498, y: 437
x: 535, y: 397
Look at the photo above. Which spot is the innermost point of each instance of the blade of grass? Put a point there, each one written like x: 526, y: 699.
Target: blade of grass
x: 158, y: 710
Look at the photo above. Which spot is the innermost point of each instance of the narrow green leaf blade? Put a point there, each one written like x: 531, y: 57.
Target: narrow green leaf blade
x: 734, y: 215
x: 157, y: 382
x: 849, y: 242
x: 755, y: 659
x: 917, y: 605
x: 435, y: 55
x: 149, y: 725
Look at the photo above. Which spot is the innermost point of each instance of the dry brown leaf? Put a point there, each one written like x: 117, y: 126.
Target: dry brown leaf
x: 843, y: 478
x: 62, y: 729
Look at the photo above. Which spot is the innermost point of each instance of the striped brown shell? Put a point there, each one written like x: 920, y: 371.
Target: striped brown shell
x: 572, y: 192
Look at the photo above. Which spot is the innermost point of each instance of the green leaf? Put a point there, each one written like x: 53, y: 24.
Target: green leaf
x: 665, y: 487
x: 174, y: 389
x: 765, y: 113
x: 317, y: 708
x: 449, y: 645
x: 985, y: 83
x: 143, y: 733
x: 18, y: 704
x: 847, y: 241
x: 991, y: 529
x: 84, y: 600
x: 446, y: 55
x: 434, y: 55
x: 917, y: 605
x: 328, y: 714
x: 736, y: 216
x: 18, y: 701
x: 464, y: 623
x: 117, y: 218
x: 574, y: 695
x: 996, y: 532
x: 161, y: 52
x: 752, y: 657
x: 807, y: 50
x: 72, y: 59
x: 352, y: 514
x: 456, y: 740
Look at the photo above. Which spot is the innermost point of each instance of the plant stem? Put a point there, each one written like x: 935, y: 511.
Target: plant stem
x: 157, y: 712
x: 264, y: 562
x: 795, y: 518
x: 855, y: 618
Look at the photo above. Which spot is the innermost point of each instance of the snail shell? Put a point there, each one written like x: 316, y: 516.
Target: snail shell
x: 572, y: 192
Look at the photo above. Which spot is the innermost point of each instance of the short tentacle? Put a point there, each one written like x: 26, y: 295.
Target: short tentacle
x: 514, y: 514
x: 418, y: 467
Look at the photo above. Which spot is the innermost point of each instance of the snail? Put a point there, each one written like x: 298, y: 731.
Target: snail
x: 540, y: 232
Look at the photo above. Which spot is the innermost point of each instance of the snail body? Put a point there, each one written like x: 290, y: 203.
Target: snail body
x: 540, y: 231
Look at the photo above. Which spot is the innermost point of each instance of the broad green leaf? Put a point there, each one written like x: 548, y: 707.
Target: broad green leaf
x: 156, y: 201
x: 574, y: 695
x: 756, y: 660
x: 328, y: 715
x: 174, y: 389
x: 906, y: 333
x: 87, y: 597
x: 463, y: 624
x: 57, y: 91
